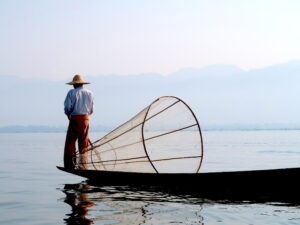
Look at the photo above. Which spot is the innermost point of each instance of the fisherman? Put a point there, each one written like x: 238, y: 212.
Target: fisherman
x: 78, y: 107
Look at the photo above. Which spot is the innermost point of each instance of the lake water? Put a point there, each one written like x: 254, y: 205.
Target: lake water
x: 33, y: 191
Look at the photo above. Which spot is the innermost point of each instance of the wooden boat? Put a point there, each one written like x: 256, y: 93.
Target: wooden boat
x: 146, y: 149
x: 258, y: 185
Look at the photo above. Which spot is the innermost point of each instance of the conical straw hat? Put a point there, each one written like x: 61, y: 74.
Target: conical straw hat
x: 78, y: 79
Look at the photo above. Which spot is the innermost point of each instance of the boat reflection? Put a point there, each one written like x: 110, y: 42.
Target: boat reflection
x: 77, y: 198
x: 128, y: 205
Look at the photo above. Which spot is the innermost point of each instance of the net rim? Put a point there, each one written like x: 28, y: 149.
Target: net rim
x: 145, y: 119
x: 197, y: 123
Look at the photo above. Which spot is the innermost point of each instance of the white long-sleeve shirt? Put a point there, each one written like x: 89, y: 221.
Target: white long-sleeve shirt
x: 79, y: 101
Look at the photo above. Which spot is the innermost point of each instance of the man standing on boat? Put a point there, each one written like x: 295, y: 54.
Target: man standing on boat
x: 78, y: 107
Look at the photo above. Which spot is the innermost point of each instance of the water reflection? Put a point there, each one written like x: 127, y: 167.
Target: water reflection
x: 129, y: 205
x: 77, y: 198
x: 93, y: 204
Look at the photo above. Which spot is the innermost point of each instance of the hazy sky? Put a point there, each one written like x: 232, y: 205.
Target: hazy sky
x: 56, y: 38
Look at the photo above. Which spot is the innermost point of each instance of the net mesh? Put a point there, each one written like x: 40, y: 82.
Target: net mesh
x: 165, y: 137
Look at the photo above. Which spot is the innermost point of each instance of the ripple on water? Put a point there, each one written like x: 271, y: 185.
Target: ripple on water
x: 132, y: 205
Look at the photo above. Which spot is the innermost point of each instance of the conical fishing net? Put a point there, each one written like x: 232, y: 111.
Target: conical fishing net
x: 165, y: 137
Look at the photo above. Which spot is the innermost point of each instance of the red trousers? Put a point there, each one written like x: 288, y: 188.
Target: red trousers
x: 78, y: 130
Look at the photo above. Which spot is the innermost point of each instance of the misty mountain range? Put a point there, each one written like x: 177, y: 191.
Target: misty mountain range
x: 220, y: 95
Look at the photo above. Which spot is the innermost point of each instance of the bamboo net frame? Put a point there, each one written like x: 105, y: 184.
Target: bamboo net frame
x: 165, y: 137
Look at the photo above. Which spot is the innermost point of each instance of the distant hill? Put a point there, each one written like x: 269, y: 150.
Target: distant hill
x: 220, y: 95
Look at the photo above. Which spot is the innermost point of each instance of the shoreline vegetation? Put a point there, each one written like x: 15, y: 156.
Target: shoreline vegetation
x: 100, y: 128
x: 45, y: 129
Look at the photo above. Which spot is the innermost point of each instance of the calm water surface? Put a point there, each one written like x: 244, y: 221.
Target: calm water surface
x: 33, y: 191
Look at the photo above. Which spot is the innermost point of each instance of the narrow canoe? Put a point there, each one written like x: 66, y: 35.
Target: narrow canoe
x: 263, y: 185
